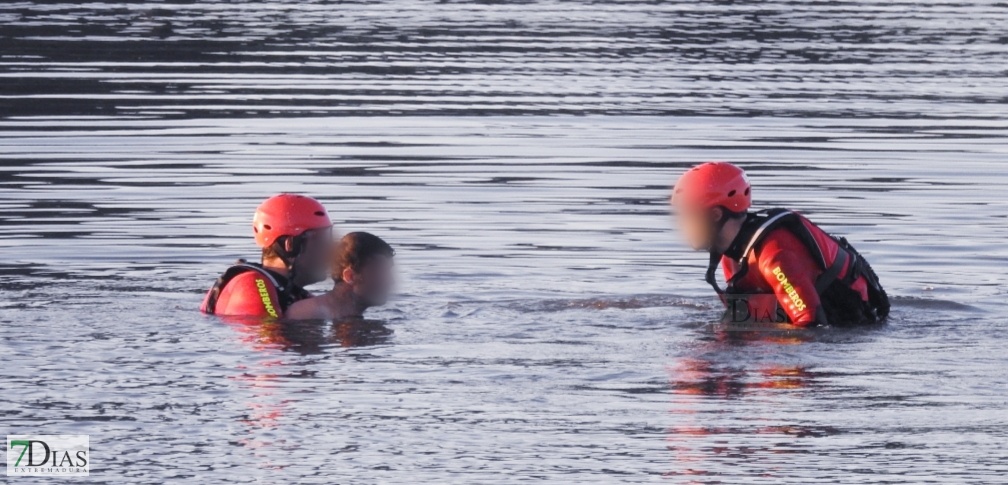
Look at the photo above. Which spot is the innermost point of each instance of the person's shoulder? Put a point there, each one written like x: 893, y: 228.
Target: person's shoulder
x: 779, y: 240
x: 307, y: 309
x: 249, y: 293
x: 250, y: 280
x: 782, y: 246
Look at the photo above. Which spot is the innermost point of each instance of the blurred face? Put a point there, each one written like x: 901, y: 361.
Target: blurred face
x: 373, y: 284
x: 313, y: 263
x: 695, y: 226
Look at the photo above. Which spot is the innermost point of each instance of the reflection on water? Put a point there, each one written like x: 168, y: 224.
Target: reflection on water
x: 308, y: 337
x: 698, y: 444
x: 267, y: 407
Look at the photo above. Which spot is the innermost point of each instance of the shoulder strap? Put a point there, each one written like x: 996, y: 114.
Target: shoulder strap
x: 710, y: 277
x: 774, y: 218
x: 259, y: 269
x: 790, y: 220
x: 241, y: 266
x: 769, y: 220
x: 832, y: 273
x: 763, y: 221
x: 287, y: 292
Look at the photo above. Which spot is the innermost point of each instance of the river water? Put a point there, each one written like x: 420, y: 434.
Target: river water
x: 549, y: 325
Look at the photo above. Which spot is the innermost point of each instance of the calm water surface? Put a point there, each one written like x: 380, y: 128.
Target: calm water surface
x: 549, y: 325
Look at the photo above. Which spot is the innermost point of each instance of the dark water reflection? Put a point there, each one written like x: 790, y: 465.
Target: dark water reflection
x: 861, y: 58
x: 309, y: 337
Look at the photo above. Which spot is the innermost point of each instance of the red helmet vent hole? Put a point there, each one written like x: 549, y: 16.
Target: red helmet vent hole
x: 267, y: 227
x: 731, y: 194
x: 319, y: 213
x: 747, y: 190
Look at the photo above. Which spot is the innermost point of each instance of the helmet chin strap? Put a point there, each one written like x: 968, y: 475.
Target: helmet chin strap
x: 715, y: 232
x: 715, y: 255
x: 288, y: 257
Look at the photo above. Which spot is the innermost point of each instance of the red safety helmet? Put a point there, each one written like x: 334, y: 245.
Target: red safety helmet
x: 287, y: 215
x: 713, y: 184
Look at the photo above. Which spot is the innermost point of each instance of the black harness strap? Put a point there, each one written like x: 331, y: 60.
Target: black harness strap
x: 775, y: 218
x: 710, y: 277
x: 263, y: 271
x: 715, y: 257
x: 753, y: 230
x: 768, y: 221
x: 241, y: 266
x: 832, y: 273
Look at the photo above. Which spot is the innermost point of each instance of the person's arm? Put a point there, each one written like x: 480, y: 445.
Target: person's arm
x: 791, y: 271
x: 251, y: 294
x: 307, y: 309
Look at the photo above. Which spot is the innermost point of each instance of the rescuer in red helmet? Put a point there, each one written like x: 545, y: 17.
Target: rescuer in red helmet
x: 777, y: 264
x: 295, y: 234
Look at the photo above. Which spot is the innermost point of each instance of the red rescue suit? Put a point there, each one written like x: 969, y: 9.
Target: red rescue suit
x: 782, y: 264
x: 248, y: 289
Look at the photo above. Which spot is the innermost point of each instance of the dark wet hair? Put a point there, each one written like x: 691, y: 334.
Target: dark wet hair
x: 269, y: 253
x: 355, y: 250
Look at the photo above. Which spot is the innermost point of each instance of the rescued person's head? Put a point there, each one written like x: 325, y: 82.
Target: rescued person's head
x: 364, y: 261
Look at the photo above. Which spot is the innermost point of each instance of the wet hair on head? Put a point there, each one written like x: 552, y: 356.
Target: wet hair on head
x: 269, y: 253
x: 355, y: 250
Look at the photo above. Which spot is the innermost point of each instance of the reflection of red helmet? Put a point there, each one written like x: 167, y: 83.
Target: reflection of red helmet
x: 287, y: 215
x: 713, y: 184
